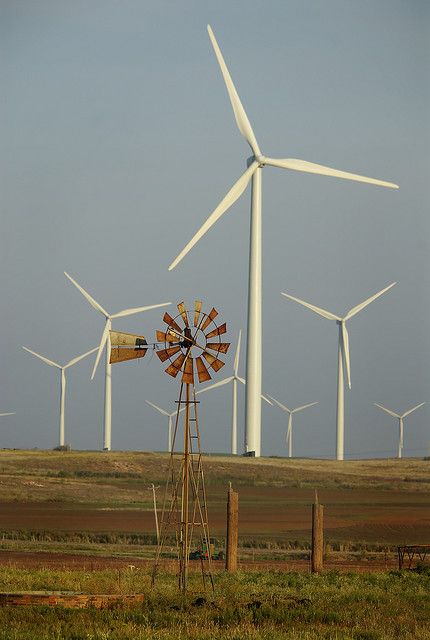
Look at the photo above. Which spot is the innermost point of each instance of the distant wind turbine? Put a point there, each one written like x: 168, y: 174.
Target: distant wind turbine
x: 254, y: 172
x: 400, y: 417
x: 234, y: 379
x: 343, y: 355
x: 169, y: 421
x: 62, y: 369
x: 105, y: 340
x: 289, y: 435
x: 7, y: 414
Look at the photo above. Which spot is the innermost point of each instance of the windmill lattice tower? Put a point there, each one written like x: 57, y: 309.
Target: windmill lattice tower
x: 192, y: 344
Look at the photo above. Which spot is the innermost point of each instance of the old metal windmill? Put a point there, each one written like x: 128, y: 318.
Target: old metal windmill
x: 192, y: 344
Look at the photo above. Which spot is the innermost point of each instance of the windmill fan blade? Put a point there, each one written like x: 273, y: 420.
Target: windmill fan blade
x: 364, y: 304
x: 78, y: 358
x: 236, y: 357
x: 218, y: 331
x: 239, y: 112
x: 183, y: 312
x: 165, y: 413
x: 212, y: 315
x: 345, y: 340
x: 197, y: 309
x: 230, y: 198
x: 221, y: 347
x: 321, y: 312
x: 202, y: 372
x: 168, y: 353
x: 86, y: 295
x: 121, y: 354
x: 215, y: 363
x: 391, y: 413
x: 188, y: 374
x: 105, y: 336
x: 50, y: 362
x: 304, y: 406
x: 310, y: 167
x: 413, y: 409
x: 166, y: 337
x: 167, y: 318
x: 174, y: 368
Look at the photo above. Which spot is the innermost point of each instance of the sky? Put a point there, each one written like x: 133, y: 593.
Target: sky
x: 118, y: 140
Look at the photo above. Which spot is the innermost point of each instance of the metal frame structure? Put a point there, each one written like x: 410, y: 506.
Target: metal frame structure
x: 184, y: 513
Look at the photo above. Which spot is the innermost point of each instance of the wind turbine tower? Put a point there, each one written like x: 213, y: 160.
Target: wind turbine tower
x: 105, y: 341
x: 290, y: 412
x: 400, y: 418
x: 255, y: 165
x: 62, y: 368
x: 343, y: 357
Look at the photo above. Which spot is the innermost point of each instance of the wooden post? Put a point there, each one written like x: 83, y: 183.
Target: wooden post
x: 232, y: 530
x: 317, y: 535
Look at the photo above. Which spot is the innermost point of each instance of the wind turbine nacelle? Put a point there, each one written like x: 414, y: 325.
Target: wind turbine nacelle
x: 126, y: 346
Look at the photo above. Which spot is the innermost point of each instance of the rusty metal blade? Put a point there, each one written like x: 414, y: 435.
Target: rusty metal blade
x: 212, y: 315
x: 221, y: 347
x: 167, y: 353
x: 202, y: 372
x: 188, y: 375
x: 174, y: 368
x: 183, y: 312
x: 215, y: 363
x: 120, y: 339
x: 218, y: 331
x: 197, y: 309
x: 118, y: 354
x: 167, y: 337
x: 167, y: 318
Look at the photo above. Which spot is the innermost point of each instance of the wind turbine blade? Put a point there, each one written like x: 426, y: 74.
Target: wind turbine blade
x: 221, y: 383
x: 364, y: 304
x: 237, y: 355
x: 75, y: 360
x: 130, y: 312
x: 243, y: 381
x: 86, y: 295
x: 311, y: 167
x: 239, y: 112
x: 411, y: 410
x: 321, y: 312
x: 235, y: 192
x: 280, y: 405
x: 345, y: 340
x: 105, y: 336
x: 50, y: 362
x: 8, y: 414
x: 165, y: 413
x: 391, y: 413
x: 305, y: 406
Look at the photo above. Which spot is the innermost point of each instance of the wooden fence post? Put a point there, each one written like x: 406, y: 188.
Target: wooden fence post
x: 317, y: 536
x: 232, y: 530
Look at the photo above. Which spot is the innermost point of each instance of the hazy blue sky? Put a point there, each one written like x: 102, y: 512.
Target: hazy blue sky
x: 118, y: 140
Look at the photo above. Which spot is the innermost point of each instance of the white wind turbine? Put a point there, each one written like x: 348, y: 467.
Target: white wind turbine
x: 105, y: 340
x: 7, y: 414
x: 169, y: 421
x: 234, y: 379
x: 62, y: 369
x: 254, y: 172
x: 343, y: 355
x: 289, y: 434
x: 400, y: 417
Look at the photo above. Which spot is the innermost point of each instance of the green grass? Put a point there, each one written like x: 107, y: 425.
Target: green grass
x: 255, y: 606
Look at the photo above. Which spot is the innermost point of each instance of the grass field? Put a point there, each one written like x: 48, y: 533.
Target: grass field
x: 254, y: 606
x: 83, y: 522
